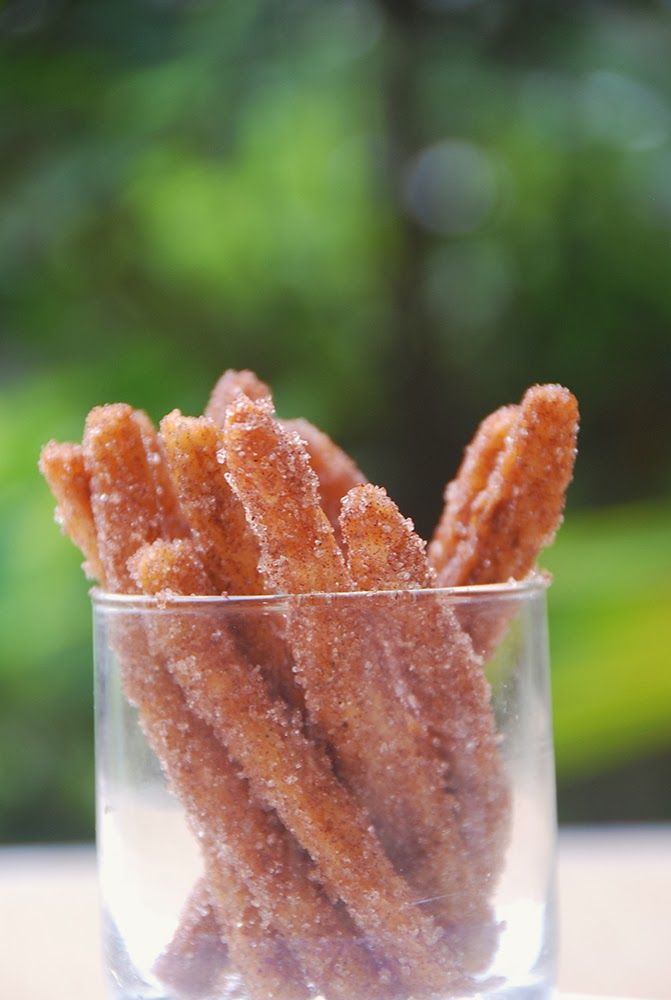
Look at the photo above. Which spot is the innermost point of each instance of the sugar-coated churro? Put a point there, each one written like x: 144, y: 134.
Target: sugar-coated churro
x: 336, y: 471
x: 62, y: 465
x: 204, y: 780
x: 117, y: 451
x: 226, y: 545
x: 517, y: 512
x: 195, y: 960
x: 292, y: 775
x: 478, y: 463
x: 279, y: 876
x: 401, y: 777
x: 443, y: 681
x: 115, y: 455
x: 227, y: 389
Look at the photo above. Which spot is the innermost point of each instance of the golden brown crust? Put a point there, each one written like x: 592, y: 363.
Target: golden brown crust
x: 519, y: 510
x: 129, y: 512
x: 62, y: 465
x: 225, y: 544
x: 383, y: 551
x: 202, y: 777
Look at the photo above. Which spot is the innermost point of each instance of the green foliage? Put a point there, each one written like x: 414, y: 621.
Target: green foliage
x: 610, y: 637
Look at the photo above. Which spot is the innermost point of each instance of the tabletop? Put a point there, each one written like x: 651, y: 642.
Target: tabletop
x: 615, y: 917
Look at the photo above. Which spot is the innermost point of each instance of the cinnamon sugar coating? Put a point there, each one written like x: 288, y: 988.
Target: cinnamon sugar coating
x: 478, y: 463
x: 226, y: 545
x: 62, y: 465
x: 441, y: 679
x: 120, y: 452
x: 227, y: 389
x: 128, y: 509
x: 517, y: 513
x: 336, y: 471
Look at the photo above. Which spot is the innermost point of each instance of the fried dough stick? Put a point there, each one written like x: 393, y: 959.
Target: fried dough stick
x: 516, y: 512
x: 225, y: 544
x: 219, y: 811
x: 291, y: 775
x: 62, y: 465
x: 478, y: 463
x: 268, y: 969
x: 400, y: 780
x: 283, y: 881
x: 193, y: 962
x: 129, y: 511
x: 446, y: 686
x: 336, y: 471
x: 216, y: 798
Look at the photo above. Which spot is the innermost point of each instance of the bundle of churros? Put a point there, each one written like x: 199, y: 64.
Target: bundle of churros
x: 338, y: 760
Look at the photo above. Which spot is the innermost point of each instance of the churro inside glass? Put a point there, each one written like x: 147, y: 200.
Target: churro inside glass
x: 322, y: 774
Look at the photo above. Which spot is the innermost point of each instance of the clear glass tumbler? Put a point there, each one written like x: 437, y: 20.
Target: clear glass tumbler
x: 329, y: 795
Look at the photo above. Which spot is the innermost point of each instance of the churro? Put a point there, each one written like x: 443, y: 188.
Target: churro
x: 401, y: 778
x: 292, y: 775
x: 120, y: 463
x: 508, y: 520
x: 336, y: 471
x: 229, y: 387
x: 225, y: 544
x: 460, y: 494
x: 62, y: 465
x: 443, y: 681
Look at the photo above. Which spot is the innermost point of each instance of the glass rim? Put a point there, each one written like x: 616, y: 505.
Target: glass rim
x: 535, y: 583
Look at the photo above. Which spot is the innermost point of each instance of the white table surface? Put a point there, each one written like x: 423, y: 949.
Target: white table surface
x: 615, y: 917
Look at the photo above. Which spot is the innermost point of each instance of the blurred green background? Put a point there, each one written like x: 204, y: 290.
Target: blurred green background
x: 401, y: 214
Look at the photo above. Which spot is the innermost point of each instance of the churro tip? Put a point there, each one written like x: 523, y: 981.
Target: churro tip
x: 230, y: 386
x: 243, y: 410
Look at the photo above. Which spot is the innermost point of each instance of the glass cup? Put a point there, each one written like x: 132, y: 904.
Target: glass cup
x: 327, y: 795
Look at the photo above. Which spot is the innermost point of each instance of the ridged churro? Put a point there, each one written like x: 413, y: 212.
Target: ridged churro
x: 444, y: 683
x: 336, y: 471
x: 516, y: 513
x: 400, y: 778
x: 226, y: 545
x: 460, y: 494
x: 292, y: 775
x: 269, y: 969
x: 62, y: 465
